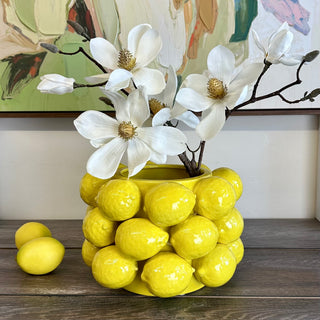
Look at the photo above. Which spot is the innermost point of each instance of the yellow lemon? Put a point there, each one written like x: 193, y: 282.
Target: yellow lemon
x: 140, y: 239
x: 40, y: 255
x: 113, y: 269
x: 99, y: 230
x: 194, y: 237
x: 119, y: 199
x: 231, y: 176
x: 89, y: 187
x: 88, y: 252
x: 237, y: 248
x: 216, y: 268
x: 230, y: 227
x: 169, y: 203
x: 167, y: 274
x: 29, y: 231
x: 215, y: 197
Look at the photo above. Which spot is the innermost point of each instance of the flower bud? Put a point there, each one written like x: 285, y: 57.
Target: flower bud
x: 56, y: 84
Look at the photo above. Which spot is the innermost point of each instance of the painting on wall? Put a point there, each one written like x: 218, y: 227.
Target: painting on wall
x: 189, y: 30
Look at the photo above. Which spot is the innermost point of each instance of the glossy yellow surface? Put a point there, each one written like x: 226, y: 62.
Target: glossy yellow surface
x: 119, y: 200
x: 88, y: 251
x: 140, y: 239
x: 169, y: 203
x: 231, y: 176
x: 99, y: 230
x: 40, y: 256
x: 113, y: 269
x: 167, y: 274
x: 215, y: 197
x: 194, y: 237
x: 237, y: 248
x: 216, y: 268
x: 29, y: 231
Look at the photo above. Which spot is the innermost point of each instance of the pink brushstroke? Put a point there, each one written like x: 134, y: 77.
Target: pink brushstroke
x: 290, y: 11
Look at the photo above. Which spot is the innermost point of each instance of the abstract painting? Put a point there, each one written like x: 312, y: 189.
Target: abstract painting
x: 189, y: 29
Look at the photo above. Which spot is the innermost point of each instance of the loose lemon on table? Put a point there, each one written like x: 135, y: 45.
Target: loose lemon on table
x: 237, y: 248
x: 88, y: 251
x: 29, y: 231
x: 40, y: 255
x: 216, y: 268
x: 167, y: 274
x: 230, y: 227
x: 231, y: 176
x: 113, y: 269
x: 89, y: 187
x: 140, y: 239
x: 99, y: 230
x: 119, y: 199
x: 215, y: 197
x: 194, y: 237
x: 169, y: 203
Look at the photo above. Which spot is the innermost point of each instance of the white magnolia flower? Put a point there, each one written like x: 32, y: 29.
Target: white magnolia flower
x: 221, y: 86
x: 144, y: 44
x: 113, y: 137
x: 56, y: 84
x: 279, y: 44
x: 164, y: 107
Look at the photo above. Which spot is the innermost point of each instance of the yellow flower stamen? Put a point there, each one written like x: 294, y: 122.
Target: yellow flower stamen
x: 126, y: 130
x: 216, y: 89
x: 126, y: 60
x: 155, y: 105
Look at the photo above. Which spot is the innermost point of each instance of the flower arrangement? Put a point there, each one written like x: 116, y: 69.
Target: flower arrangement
x: 149, y: 104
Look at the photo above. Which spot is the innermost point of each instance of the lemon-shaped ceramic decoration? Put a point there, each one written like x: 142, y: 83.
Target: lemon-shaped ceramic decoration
x: 215, y: 197
x: 98, y: 229
x: 40, y: 256
x: 216, y: 268
x: 88, y: 251
x: 237, y: 248
x: 89, y: 187
x: 230, y: 227
x: 167, y: 274
x: 194, y: 237
x: 140, y: 239
x: 119, y: 200
x: 169, y: 203
x: 231, y: 176
x: 29, y: 231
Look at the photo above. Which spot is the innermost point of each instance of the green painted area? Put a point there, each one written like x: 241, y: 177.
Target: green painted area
x: 25, y: 12
x: 245, y: 12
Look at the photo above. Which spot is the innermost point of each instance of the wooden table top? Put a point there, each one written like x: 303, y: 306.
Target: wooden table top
x: 278, y: 278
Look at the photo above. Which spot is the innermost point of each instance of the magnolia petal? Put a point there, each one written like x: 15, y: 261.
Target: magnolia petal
x: 138, y: 155
x: 94, y: 125
x: 148, y: 48
x: 212, y: 123
x: 197, y: 82
x: 119, y: 79
x: 120, y: 105
x: 170, y: 89
x: 135, y: 35
x: 280, y: 45
x: 192, y: 100
x: 243, y: 96
x: 161, y: 117
x: 221, y: 63
x: 138, y: 107
x: 291, y: 60
x: 165, y: 140
x: 97, y: 143
x: 104, y: 52
x: 258, y: 42
x: 152, y: 79
x: 104, y: 162
x: 158, y: 158
x: 189, y: 118
x: 98, y: 78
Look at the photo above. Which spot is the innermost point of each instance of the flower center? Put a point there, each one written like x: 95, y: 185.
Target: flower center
x: 126, y: 60
x: 155, y: 105
x: 126, y: 130
x: 216, y: 89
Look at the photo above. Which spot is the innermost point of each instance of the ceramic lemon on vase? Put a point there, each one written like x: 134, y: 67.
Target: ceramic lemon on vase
x: 152, y: 228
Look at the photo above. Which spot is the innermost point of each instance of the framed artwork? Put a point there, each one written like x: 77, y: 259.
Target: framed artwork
x: 189, y: 30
